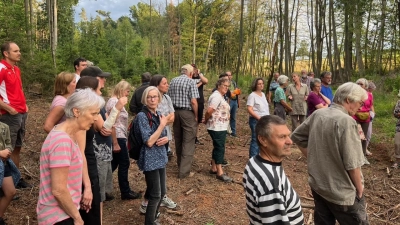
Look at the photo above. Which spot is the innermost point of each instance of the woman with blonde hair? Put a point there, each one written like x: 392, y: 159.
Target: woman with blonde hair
x: 120, y: 156
x: 64, y: 86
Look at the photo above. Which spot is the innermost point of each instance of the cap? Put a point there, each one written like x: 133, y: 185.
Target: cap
x: 94, y: 71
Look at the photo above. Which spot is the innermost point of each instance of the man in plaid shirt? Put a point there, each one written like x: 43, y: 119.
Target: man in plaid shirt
x: 183, y: 92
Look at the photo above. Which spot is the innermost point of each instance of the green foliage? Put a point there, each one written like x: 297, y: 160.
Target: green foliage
x: 384, y: 121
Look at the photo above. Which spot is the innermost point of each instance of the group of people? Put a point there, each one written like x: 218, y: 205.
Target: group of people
x: 334, y: 159
x: 87, y: 141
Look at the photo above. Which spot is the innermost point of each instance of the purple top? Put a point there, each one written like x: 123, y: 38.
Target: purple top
x: 314, y: 100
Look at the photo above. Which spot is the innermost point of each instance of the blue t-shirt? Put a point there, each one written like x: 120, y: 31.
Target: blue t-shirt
x: 155, y: 157
x: 327, y: 91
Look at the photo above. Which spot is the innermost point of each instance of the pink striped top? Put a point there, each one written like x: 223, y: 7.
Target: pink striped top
x: 58, y: 150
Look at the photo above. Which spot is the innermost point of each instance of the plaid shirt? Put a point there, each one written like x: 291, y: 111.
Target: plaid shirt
x: 181, y: 90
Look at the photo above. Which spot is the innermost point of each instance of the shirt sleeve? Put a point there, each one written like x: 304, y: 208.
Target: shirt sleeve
x: 110, y: 104
x: 280, y: 94
x: 145, y: 129
x: 350, y: 146
x: 60, y: 154
x: 214, y: 101
x: 170, y: 106
x: 300, y: 135
x: 250, y: 100
x: 194, y: 92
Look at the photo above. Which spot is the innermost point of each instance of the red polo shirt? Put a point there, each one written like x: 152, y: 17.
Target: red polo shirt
x: 11, y: 91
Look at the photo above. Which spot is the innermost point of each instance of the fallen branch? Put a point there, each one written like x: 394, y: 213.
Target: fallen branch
x: 398, y: 192
x: 391, y: 209
x: 29, y: 173
x: 307, y: 206
x: 179, y: 213
x: 239, y: 172
x: 190, y: 191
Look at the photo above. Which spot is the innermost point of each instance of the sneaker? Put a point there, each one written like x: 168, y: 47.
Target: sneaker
x: 143, y: 209
x: 131, y: 195
x: 366, y: 161
x: 167, y: 202
x: 197, y: 142
x: 224, y: 178
x: 23, y: 184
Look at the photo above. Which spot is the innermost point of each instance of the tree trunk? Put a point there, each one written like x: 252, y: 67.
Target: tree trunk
x: 194, y: 33
x: 287, y: 36
x: 378, y: 61
x: 240, y: 40
x: 358, y: 25
x: 208, y: 49
x: 348, y: 36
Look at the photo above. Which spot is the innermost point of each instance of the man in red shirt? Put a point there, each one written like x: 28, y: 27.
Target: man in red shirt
x: 12, y: 100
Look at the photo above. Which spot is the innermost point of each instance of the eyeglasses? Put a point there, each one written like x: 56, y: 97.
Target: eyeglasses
x: 152, y: 97
x: 227, y: 86
x: 361, y: 84
x: 362, y: 103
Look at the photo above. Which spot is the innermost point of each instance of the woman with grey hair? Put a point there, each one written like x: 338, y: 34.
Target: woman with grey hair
x: 149, y: 129
x: 316, y: 100
x: 281, y: 106
x: 257, y: 106
x: 61, y: 161
x: 297, y: 94
x: 363, y: 115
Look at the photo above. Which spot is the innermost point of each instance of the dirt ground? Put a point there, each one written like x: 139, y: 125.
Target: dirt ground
x: 202, y: 199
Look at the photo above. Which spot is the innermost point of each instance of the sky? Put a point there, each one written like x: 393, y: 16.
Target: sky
x: 117, y: 8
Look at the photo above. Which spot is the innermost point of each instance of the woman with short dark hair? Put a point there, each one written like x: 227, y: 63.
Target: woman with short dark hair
x: 257, y: 106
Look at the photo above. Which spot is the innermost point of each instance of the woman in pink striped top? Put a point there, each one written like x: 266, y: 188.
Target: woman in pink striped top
x: 61, y: 162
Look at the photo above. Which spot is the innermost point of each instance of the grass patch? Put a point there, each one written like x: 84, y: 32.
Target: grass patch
x: 384, y: 122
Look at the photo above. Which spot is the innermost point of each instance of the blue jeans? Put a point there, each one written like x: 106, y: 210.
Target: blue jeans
x: 234, y: 106
x: 156, y: 187
x: 121, y: 161
x: 253, y: 144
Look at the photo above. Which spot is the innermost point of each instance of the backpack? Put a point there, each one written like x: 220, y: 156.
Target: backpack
x: 135, y: 142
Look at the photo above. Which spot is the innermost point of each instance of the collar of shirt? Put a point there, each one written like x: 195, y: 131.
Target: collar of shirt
x: 339, y: 107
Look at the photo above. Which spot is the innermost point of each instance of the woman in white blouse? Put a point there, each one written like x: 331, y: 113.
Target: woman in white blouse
x: 257, y: 106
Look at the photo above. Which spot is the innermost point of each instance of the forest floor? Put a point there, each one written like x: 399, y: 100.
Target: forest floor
x: 202, y: 199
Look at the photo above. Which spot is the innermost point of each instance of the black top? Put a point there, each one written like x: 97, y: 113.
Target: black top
x: 135, y: 106
x: 90, y: 156
x: 200, y: 88
x: 102, y: 144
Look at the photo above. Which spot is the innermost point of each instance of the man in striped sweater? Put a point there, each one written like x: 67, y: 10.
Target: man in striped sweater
x: 270, y: 198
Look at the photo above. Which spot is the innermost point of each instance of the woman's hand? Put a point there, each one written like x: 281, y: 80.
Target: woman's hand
x: 163, y: 120
x: 116, y: 147
x: 78, y: 221
x: 162, y: 141
x: 290, y: 97
x: 5, y: 154
x: 121, y: 103
x: 105, y: 132
x: 87, y: 197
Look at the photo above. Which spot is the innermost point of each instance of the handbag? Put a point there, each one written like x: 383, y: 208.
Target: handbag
x: 362, y: 116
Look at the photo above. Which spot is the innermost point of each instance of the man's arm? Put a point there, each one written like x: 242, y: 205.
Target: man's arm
x: 7, y: 108
x: 193, y: 102
x: 355, y: 176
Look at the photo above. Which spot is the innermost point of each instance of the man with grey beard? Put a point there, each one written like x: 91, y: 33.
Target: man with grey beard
x: 326, y: 80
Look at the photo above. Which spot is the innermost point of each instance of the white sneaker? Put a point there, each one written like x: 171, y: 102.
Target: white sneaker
x: 366, y: 161
x: 167, y: 202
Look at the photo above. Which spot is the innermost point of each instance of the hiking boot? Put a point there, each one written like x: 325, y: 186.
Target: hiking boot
x: 167, y: 202
x: 23, y: 184
x: 131, y: 195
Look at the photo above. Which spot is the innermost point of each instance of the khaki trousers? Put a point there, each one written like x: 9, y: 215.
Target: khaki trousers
x: 185, y: 127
